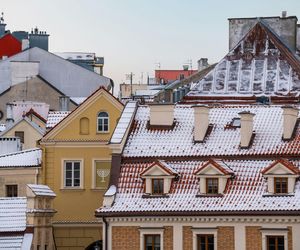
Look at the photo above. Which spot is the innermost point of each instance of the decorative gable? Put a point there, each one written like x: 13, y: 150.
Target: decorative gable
x: 213, y: 176
x: 281, y: 177
x: 158, y: 178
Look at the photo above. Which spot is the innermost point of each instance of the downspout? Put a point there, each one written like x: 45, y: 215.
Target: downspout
x: 106, y: 232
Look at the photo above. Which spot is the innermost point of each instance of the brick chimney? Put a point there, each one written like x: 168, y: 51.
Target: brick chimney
x: 246, y: 128
x: 201, y: 122
x: 290, y: 116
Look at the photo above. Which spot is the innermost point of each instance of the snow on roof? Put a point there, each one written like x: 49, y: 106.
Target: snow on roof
x: 179, y: 142
x: 13, y: 214
x: 2, y: 127
x: 245, y: 192
x: 25, y: 158
x: 55, y: 117
x: 11, y: 242
x: 78, y: 100
x: 124, y: 122
x: 22, y: 107
x: 41, y: 190
x: 260, y: 63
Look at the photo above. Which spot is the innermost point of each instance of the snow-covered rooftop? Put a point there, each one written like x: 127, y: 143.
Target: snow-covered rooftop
x: 41, y: 190
x: 246, y: 192
x: 25, y: 158
x: 55, y: 117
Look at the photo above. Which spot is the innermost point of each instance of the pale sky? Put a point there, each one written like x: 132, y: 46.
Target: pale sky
x: 134, y: 35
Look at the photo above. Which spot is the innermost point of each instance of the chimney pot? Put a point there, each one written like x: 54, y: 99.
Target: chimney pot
x: 161, y: 114
x: 202, y: 64
x: 201, y: 122
x: 246, y: 128
x: 290, y: 116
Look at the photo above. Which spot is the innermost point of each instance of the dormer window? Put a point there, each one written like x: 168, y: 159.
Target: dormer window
x: 281, y: 185
x: 213, y: 176
x: 158, y: 179
x: 157, y: 186
x: 212, y: 185
x: 281, y: 177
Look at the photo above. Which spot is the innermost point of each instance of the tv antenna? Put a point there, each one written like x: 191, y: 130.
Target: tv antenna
x: 2, y: 18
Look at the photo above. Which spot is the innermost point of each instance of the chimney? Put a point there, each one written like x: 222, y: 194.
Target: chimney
x: 9, y: 114
x: 2, y: 26
x: 284, y: 14
x: 25, y: 44
x: 64, y: 102
x: 39, y: 39
x: 246, y: 128
x: 202, y: 64
x: 201, y: 122
x: 161, y: 114
x: 290, y: 116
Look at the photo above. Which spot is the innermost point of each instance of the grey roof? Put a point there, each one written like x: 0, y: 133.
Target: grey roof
x: 67, y: 77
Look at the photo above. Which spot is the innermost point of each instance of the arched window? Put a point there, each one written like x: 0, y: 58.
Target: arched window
x: 103, y: 122
x: 84, y: 126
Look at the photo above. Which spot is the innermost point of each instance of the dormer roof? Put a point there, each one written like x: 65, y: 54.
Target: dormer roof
x: 161, y: 165
x: 219, y: 165
x: 281, y: 162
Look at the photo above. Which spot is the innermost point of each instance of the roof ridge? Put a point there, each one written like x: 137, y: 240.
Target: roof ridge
x: 19, y: 152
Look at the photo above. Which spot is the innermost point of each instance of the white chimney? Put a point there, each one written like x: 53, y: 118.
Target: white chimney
x: 25, y: 44
x: 9, y: 114
x: 161, y: 114
x: 202, y: 64
x: 201, y: 122
x: 64, y: 102
x: 290, y: 116
x: 246, y: 128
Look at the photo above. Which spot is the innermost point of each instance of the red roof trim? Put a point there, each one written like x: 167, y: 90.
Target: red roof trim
x: 32, y: 112
x: 285, y: 163
x: 215, y: 164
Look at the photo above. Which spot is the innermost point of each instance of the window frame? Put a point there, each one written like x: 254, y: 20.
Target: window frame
x: 214, y: 179
x: 81, y: 174
x: 274, y: 232
x: 152, y: 186
x: 281, y: 179
x: 7, y: 186
x: 276, y: 241
x: 103, y: 118
x: 153, y: 241
x: 94, y: 174
x: 153, y: 231
x: 22, y: 138
x: 204, y: 231
x: 206, y: 240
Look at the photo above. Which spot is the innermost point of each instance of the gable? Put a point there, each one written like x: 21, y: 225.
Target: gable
x: 69, y: 127
x: 210, y: 170
x: 155, y: 170
x: 280, y: 167
x: 259, y: 64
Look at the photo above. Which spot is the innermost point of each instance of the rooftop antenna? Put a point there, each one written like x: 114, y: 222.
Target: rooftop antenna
x: 2, y: 18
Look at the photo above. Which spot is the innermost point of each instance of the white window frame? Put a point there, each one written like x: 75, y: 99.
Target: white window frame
x: 197, y: 231
x: 274, y: 232
x: 151, y: 230
x: 63, y: 181
x: 94, y: 175
x: 99, y: 118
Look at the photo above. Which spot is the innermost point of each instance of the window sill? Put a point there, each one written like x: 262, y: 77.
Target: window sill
x: 155, y: 196
x: 98, y: 189
x: 72, y: 189
x: 99, y: 132
x: 209, y: 195
x: 278, y: 195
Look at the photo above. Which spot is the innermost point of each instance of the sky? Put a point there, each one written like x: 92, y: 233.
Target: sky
x: 138, y: 35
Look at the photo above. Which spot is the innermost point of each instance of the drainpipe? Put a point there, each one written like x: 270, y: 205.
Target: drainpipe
x: 106, y: 232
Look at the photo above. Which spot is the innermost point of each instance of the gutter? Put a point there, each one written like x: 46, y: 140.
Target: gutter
x: 106, y: 232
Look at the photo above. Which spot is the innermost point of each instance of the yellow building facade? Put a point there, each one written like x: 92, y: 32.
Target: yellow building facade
x: 76, y: 166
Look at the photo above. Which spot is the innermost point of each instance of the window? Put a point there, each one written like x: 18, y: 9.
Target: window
x: 157, y: 186
x: 11, y: 190
x: 205, y: 242
x: 275, y: 242
x: 103, y: 122
x: 72, y: 174
x: 152, y: 242
x: 212, y: 185
x: 281, y: 185
x: 20, y: 134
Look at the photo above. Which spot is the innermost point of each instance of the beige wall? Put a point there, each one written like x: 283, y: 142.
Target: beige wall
x: 35, y: 90
x: 31, y: 136
x: 125, y: 89
x: 20, y: 176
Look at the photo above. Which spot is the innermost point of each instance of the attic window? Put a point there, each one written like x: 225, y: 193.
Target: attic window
x: 157, y: 186
x: 212, y: 185
x: 236, y: 122
x: 280, y: 185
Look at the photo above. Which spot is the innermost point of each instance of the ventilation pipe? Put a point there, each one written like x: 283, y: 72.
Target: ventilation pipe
x: 201, y: 122
x: 290, y: 116
x: 246, y: 128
